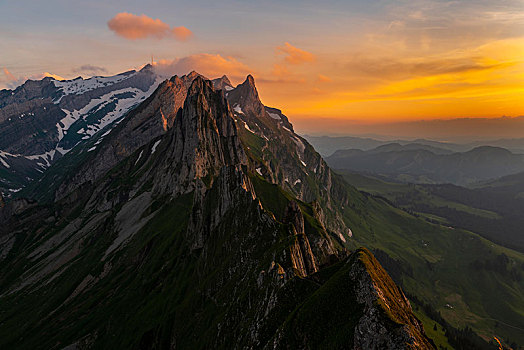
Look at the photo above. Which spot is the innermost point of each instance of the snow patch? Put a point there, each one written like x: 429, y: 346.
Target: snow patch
x: 139, y: 156
x: 259, y: 171
x: 4, y: 163
x: 247, y: 128
x: 47, y: 157
x: 238, y: 109
x: 275, y: 116
x: 122, y: 106
x: 80, y: 86
x: 297, y: 182
x: 91, y: 149
x: 153, y: 149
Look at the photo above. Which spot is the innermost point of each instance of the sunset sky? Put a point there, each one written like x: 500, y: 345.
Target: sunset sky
x: 354, y: 62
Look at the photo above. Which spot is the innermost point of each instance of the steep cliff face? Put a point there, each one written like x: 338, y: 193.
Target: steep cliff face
x: 388, y: 319
x: 282, y: 157
x: 302, y: 257
x: 370, y: 311
x: 181, y: 243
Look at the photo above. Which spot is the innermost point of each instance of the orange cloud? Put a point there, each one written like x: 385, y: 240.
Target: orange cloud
x: 323, y: 79
x: 210, y: 65
x: 294, y: 55
x: 9, y: 75
x: 182, y: 33
x: 280, y: 70
x: 130, y: 26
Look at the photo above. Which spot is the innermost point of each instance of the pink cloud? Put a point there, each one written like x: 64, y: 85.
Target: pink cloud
x: 130, y: 26
x: 294, y: 55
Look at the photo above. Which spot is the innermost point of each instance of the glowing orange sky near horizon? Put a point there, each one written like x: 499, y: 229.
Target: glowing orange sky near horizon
x: 486, y: 81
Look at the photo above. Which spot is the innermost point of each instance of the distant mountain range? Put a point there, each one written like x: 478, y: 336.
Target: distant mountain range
x: 327, y: 145
x: 421, y: 163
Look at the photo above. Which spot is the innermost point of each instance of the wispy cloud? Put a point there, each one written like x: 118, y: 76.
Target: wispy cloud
x: 132, y: 27
x: 8, y: 75
x: 294, y: 55
x: 90, y: 69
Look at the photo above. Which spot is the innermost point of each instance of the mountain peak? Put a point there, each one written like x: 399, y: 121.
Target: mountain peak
x: 222, y: 83
x: 147, y: 67
x: 196, y: 85
x: 193, y: 74
x: 246, y: 96
x: 250, y: 80
x: 225, y: 79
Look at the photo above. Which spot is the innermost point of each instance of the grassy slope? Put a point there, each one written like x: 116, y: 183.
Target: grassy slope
x: 440, y: 259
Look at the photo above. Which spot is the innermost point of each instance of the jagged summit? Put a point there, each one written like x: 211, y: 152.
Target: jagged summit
x: 222, y: 83
x: 245, y: 95
x: 250, y: 80
x: 202, y: 141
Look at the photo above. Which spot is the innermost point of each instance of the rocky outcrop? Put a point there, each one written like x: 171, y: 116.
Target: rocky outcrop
x: 29, y: 127
x: 222, y: 83
x: 246, y: 96
x: 203, y: 140
x: 302, y: 257
x: 388, y: 321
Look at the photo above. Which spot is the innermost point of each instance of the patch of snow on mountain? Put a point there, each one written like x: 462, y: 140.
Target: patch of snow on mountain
x: 259, y: 171
x: 139, y: 156
x: 300, y: 148
x: 123, y: 105
x: 297, y: 182
x: 274, y: 116
x: 238, y: 109
x: 80, y: 86
x: 4, y: 155
x: 247, y: 128
x: 4, y: 163
x: 153, y: 149
x: 46, y: 157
